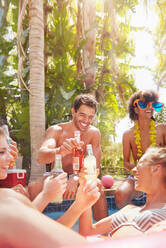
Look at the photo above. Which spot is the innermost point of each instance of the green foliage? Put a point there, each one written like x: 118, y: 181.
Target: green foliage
x: 161, y: 116
x: 160, y: 42
x: 61, y: 72
x: 112, y: 160
x: 62, y: 83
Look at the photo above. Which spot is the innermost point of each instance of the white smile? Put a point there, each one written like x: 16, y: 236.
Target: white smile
x: 83, y: 124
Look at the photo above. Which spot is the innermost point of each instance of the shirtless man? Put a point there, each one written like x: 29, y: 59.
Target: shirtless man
x: 60, y: 139
x: 137, y: 139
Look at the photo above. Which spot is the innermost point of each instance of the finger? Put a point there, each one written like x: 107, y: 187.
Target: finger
x: 67, y: 146
x: 82, y: 180
x: 72, y: 195
x: 89, y: 186
x: 14, y: 145
x: 62, y: 175
x: 65, y: 195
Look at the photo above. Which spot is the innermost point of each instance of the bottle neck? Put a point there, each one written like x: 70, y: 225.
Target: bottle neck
x: 89, y: 151
x: 77, y: 136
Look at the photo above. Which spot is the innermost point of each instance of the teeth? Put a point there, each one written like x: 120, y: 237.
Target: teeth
x: 83, y: 124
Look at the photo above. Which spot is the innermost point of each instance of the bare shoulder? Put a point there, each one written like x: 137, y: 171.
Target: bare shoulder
x: 6, y: 194
x: 94, y: 131
x: 128, y: 133
x: 161, y: 126
x: 54, y: 130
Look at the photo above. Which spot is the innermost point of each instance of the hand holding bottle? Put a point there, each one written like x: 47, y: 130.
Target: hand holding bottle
x: 67, y: 147
x: 71, y: 189
x: 87, y: 194
x: 54, y: 187
x: 56, y: 171
x: 13, y: 150
x: 90, y: 164
x: 12, y: 146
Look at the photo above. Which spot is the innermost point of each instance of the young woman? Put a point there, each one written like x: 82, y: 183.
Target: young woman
x: 22, y: 225
x: 150, y: 177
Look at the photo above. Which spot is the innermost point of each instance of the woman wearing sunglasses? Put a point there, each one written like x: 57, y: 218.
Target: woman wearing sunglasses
x: 145, y: 132
x: 150, y: 177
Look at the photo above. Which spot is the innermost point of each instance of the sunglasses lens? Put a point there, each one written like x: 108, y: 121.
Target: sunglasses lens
x: 142, y: 104
x: 157, y: 106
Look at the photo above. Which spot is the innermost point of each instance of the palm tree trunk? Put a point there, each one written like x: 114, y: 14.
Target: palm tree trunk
x: 89, y: 34
x: 36, y: 57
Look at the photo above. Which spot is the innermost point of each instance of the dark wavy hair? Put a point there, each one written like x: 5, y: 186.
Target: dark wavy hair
x: 147, y: 96
x: 86, y: 99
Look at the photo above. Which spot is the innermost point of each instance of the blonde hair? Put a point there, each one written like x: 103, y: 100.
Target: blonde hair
x: 155, y: 155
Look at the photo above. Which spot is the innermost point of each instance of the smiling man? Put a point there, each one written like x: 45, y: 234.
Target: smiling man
x: 145, y: 132
x: 59, y: 139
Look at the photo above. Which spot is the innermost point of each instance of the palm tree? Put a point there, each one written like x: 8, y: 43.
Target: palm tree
x: 36, y: 57
x: 89, y: 34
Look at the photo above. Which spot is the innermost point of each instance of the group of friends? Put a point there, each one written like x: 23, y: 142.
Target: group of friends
x: 145, y: 141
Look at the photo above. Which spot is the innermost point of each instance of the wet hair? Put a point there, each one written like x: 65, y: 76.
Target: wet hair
x: 147, y: 96
x: 86, y: 99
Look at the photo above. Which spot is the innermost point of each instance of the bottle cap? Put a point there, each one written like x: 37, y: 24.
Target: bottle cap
x: 89, y: 146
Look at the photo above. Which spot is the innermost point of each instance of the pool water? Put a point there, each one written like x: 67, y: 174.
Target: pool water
x: 56, y: 214
x: 54, y: 211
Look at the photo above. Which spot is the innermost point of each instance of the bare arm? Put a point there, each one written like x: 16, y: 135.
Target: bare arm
x: 87, y: 228
x: 20, y: 220
x: 127, y: 152
x: 53, y: 188
x: 86, y: 196
x: 164, y: 133
x: 48, y: 148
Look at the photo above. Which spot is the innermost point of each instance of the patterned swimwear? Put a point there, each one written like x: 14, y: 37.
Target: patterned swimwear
x: 142, y: 222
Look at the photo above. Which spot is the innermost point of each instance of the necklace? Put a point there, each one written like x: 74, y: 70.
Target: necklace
x: 137, y: 136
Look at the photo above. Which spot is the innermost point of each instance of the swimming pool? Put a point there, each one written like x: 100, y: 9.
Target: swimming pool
x: 54, y: 211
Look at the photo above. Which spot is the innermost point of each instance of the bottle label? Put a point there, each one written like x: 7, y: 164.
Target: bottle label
x: 76, y: 163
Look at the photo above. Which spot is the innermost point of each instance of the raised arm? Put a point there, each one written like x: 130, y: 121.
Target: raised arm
x: 53, y: 188
x: 87, y: 195
x: 87, y: 228
x: 48, y: 148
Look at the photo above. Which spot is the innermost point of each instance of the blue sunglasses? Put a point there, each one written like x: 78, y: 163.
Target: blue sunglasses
x: 157, y: 106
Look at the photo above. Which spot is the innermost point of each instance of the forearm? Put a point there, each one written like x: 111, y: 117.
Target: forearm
x: 128, y: 166
x: 70, y: 217
x: 85, y: 223
x: 47, y: 155
x: 41, y: 201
